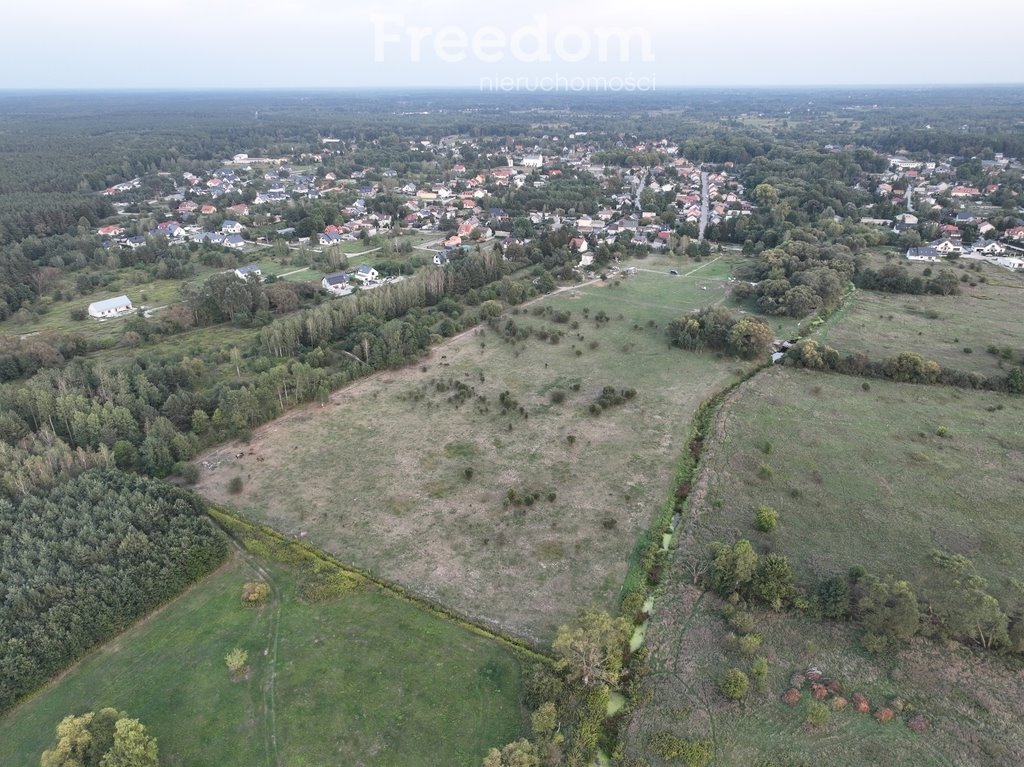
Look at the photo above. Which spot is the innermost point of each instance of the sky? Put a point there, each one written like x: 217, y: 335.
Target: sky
x: 623, y: 45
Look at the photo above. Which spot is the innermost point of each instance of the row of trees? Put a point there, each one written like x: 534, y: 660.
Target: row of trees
x: 954, y: 603
x: 894, y: 278
x: 906, y: 367
x: 86, y: 559
x: 153, y: 412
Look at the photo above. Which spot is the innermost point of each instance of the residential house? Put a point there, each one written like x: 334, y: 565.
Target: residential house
x: 110, y: 307
x: 231, y: 227
x: 929, y: 254
x: 243, y: 272
x: 365, y: 274
x: 988, y: 248
x: 234, y: 241
x: 337, y: 283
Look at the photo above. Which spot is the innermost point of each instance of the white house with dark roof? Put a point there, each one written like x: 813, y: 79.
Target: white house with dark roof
x: 243, y: 272
x: 110, y: 307
x: 337, y: 283
x: 366, y: 273
x: 231, y: 227
x: 927, y: 253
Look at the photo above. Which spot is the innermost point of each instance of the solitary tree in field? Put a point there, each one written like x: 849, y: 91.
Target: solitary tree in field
x: 591, y: 649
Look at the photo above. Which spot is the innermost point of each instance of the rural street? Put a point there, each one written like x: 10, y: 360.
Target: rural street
x: 704, y: 205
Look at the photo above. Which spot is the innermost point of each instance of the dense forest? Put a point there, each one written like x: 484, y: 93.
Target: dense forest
x: 85, y: 560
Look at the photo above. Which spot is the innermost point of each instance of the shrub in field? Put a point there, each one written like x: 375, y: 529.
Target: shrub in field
x: 692, y: 753
x: 766, y: 518
x: 255, y: 594
x: 750, y: 643
x: 818, y: 714
x: 734, y: 684
x: 741, y: 622
x: 237, y: 661
x: 759, y: 670
x: 235, y: 485
x: 832, y: 598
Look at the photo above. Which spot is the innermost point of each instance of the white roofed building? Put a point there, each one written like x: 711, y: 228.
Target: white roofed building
x: 110, y: 307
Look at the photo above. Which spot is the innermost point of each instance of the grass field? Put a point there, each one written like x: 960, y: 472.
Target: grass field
x: 379, y: 477
x: 862, y: 477
x: 858, y: 477
x: 937, y: 327
x: 367, y: 679
x: 970, y: 702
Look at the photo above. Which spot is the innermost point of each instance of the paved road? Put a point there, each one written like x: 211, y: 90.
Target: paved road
x: 704, y: 205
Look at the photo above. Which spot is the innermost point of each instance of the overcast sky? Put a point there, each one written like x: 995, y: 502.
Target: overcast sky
x: 192, y: 44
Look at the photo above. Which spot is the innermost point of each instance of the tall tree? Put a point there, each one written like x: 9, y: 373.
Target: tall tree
x: 591, y: 649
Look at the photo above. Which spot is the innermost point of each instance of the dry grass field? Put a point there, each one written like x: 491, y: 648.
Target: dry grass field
x: 398, y: 478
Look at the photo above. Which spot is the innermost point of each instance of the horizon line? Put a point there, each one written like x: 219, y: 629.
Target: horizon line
x: 477, y: 89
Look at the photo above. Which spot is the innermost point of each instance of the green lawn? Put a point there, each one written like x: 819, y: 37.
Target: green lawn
x: 368, y: 679
x: 863, y: 477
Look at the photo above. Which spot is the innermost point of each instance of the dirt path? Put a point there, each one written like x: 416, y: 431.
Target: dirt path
x: 270, y: 652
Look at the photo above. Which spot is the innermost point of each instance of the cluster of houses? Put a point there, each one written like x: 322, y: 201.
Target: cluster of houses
x: 228, y: 234
x: 919, y: 184
x: 982, y: 250
x: 197, y: 211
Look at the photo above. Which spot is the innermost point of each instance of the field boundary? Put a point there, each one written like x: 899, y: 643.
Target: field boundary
x: 237, y: 526
x: 686, y: 471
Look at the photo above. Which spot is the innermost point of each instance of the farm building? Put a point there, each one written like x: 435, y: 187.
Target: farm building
x: 110, y: 307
